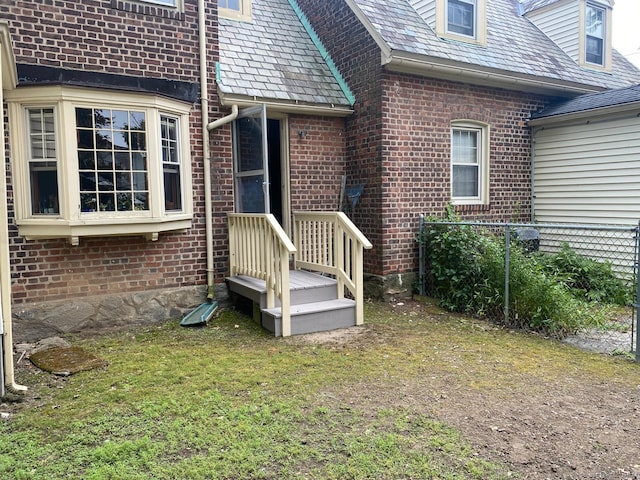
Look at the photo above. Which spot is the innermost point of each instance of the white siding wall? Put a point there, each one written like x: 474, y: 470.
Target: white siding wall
x: 427, y: 10
x: 561, y: 23
x: 588, y: 173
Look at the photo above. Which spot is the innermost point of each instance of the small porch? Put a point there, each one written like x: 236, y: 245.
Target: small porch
x: 311, y: 284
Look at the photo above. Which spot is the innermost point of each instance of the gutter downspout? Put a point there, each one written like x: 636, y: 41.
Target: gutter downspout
x: 206, y: 151
x: 534, y: 131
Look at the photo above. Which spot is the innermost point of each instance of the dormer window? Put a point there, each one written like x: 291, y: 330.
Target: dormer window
x: 595, y: 35
x: 235, y: 9
x: 461, y: 20
x: 461, y: 17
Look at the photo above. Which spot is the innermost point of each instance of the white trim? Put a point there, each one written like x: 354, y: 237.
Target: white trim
x: 482, y: 129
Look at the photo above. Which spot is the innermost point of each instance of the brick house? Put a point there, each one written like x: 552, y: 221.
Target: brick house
x: 117, y: 208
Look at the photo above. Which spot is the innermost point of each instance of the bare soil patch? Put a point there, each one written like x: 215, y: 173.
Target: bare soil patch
x: 575, y: 426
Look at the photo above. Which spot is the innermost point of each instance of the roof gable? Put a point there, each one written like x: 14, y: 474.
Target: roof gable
x: 516, y: 51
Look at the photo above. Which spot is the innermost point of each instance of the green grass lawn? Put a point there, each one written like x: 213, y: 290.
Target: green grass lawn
x: 229, y: 401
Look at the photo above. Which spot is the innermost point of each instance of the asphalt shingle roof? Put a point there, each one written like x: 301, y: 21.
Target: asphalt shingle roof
x: 514, y: 44
x: 592, y: 101
x: 273, y: 57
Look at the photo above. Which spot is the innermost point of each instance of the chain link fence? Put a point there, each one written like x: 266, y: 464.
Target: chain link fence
x: 616, y: 246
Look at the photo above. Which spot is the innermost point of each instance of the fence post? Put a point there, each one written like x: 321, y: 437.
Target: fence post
x: 507, y: 261
x: 636, y: 305
x: 421, y: 255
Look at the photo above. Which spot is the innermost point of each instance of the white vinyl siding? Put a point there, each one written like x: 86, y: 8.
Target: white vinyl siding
x: 426, y: 9
x: 561, y: 23
x: 588, y: 173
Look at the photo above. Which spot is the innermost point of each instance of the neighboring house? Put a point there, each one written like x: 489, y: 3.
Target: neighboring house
x: 136, y: 125
x: 586, y: 159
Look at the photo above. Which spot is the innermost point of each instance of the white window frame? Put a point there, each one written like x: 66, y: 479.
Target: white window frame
x: 242, y: 13
x: 482, y: 156
x: 479, y: 36
x: 69, y: 221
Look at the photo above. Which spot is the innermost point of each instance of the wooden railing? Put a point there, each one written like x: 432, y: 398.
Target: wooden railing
x: 259, y: 247
x: 329, y: 242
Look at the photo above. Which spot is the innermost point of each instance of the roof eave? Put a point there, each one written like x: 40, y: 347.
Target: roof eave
x: 587, y: 114
x: 9, y: 73
x: 285, y: 106
x: 434, y: 67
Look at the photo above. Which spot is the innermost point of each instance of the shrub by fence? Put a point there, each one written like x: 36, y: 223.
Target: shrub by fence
x: 551, y: 278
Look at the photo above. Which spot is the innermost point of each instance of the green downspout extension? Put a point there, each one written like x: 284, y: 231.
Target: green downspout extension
x: 323, y: 51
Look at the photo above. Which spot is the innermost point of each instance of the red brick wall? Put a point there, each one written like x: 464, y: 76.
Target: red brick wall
x: 417, y: 116
x: 317, y: 162
x: 94, y: 36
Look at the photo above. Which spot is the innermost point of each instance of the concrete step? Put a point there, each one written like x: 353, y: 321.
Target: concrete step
x: 312, y: 317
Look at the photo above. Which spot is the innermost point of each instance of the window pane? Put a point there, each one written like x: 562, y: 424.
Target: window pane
x: 43, y: 163
x: 116, y: 139
x: 594, y: 50
x: 461, y: 17
x: 594, y: 26
x: 171, y: 163
x: 465, y: 146
x: 230, y: 4
x: 250, y: 145
x: 465, y: 181
x: 88, y: 202
x: 251, y: 194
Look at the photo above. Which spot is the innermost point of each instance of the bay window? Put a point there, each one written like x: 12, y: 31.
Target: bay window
x: 91, y: 163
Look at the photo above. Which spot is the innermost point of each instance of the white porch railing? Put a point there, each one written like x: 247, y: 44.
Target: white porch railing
x: 259, y: 247
x: 329, y: 242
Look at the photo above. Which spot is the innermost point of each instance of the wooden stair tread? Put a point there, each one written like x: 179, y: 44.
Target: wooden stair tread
x: 298, y: 280
x: 313, y: 307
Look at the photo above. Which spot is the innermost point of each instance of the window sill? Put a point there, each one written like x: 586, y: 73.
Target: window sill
x: 470, y: 208
x: 48, y: 228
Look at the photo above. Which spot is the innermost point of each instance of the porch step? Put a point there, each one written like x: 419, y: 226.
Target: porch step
x: 306, y: 287
x: 315, y: 306
x: 312, y: 317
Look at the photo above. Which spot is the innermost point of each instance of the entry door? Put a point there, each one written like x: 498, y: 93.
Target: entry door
x: 251, y: 161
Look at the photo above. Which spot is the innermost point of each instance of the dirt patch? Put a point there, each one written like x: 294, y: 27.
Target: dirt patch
x: 574, y: 427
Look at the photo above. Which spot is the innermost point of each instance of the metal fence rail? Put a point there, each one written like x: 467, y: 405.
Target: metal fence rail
x: 616, y: 245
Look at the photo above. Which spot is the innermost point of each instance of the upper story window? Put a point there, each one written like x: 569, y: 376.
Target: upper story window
x: 235, y: 9
x: 461, y: 17
x: 595, y: 35
x: 92, y: 163
x: 469, y: 163
x: 462, y: 20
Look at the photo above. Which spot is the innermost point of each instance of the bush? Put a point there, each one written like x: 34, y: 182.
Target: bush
x: 587, y: 278
x: 465, y: 271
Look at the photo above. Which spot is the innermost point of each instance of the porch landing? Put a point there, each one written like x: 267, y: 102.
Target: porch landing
x: 315, y: 306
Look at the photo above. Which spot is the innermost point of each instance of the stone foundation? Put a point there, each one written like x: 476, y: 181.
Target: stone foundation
x: 389, y: 287
x: 32, y: 322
